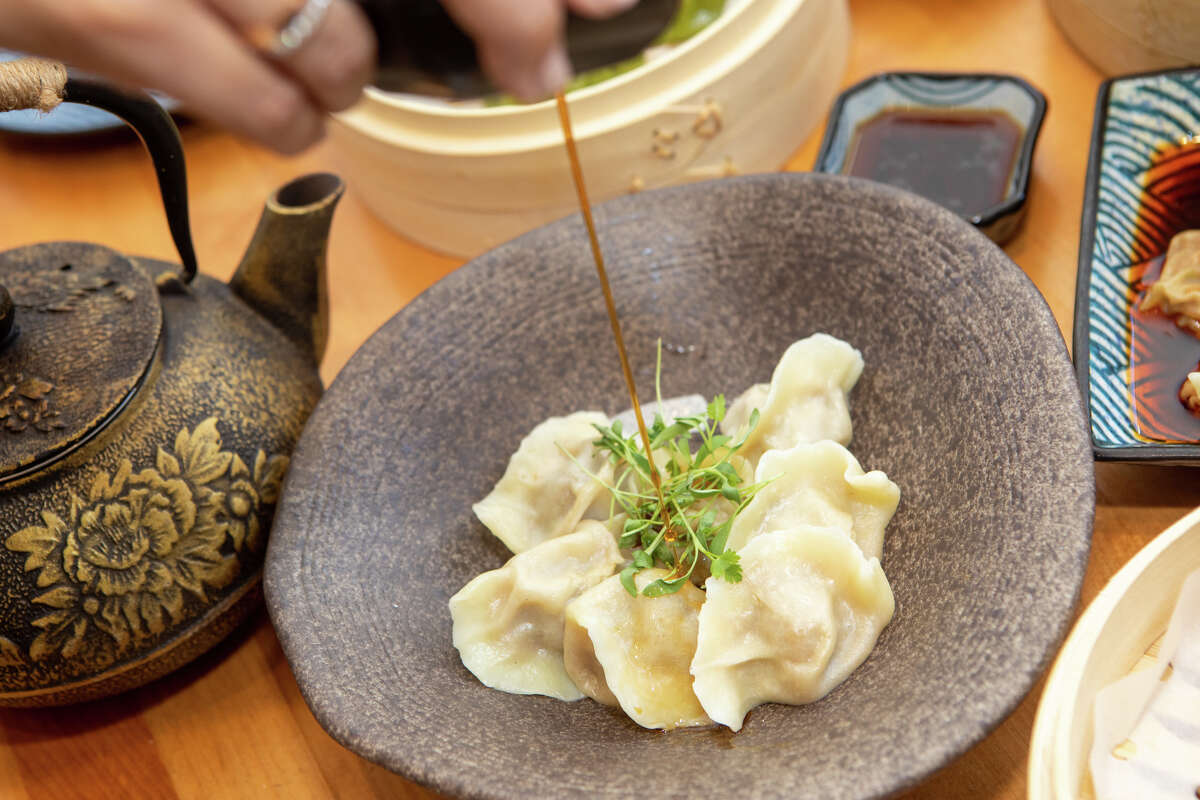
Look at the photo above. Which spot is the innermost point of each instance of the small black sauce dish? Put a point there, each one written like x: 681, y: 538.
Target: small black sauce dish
x: 964, y: 140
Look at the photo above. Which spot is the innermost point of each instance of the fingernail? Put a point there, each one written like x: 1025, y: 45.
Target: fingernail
x: 554, y: 71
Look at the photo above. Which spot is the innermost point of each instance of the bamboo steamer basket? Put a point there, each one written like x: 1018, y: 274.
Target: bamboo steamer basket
x: 739, y: 97
x: 1123, y: 36
x: 1119, y: 632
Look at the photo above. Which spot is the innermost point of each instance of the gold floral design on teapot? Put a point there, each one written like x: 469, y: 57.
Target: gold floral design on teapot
x: 121, y: 559
x: 62, y: 290
x: 24, y: 404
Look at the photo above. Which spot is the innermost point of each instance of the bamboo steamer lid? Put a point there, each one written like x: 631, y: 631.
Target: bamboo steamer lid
x: 1123, y: 36
x: 739, y: 97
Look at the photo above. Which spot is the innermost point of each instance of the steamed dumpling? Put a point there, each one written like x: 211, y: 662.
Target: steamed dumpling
x: 543, y: 493
x: 1177, y: 291
x: 508, y: 623
x: 635, y: 651
x: 806, y: 401
x: 806, y: 613
x: 818, y: 484
x: 737, y: 415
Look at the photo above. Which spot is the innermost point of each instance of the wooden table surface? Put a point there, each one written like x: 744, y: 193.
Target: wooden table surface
x: 233, y: 724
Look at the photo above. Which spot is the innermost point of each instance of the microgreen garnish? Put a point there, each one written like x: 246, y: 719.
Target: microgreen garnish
x: 702, y: 491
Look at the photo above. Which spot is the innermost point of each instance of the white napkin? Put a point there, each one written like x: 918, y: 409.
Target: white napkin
x: 1151, y: 718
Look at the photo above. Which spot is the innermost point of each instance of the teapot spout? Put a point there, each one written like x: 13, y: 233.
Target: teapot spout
x: 282, y: 274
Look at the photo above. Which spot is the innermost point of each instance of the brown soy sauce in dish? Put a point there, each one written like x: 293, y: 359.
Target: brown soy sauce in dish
x: 962, y: 159
x: 1161, y: 354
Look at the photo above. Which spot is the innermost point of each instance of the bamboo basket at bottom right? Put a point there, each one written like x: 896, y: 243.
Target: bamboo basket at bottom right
x: 1117, y: 633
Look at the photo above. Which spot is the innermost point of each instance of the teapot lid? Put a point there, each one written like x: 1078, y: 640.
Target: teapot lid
x: 86, y: 327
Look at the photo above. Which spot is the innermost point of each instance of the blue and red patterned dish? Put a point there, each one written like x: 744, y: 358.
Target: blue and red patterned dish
x: 1143, y: 187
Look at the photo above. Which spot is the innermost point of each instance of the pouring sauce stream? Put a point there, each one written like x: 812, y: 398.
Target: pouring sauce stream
x: 564, y: 118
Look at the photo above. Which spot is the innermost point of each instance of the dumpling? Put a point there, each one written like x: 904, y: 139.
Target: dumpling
x: 806, y: 613
x: 543, y: 493
x: 635, y: 651
x: 1177, y: 291
x: 737, y: 415
x: 806, y: 401
x: 508, y: 623
x: 1189, y: 393
x: 818, y: 484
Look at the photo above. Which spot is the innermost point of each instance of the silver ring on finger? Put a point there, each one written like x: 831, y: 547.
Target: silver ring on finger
x: 298, y: 28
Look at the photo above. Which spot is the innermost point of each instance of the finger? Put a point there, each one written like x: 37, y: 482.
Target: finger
x: 519, y: 42
x: 188, y: 52
x: 339, y: 59
x: 600, y: 9
x: 333, y: 64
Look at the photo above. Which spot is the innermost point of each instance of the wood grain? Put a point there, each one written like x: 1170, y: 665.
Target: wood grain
x: 233, y: 724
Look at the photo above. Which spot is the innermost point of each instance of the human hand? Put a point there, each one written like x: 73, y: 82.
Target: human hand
x: 520, y: 43
x: 214, y: 56
x: 211, y: 55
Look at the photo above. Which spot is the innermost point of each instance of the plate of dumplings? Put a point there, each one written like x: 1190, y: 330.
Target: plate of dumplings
x: 877, y: 477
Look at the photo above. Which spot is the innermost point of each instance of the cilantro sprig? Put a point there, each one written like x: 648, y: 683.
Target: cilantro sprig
x: 702, y: 493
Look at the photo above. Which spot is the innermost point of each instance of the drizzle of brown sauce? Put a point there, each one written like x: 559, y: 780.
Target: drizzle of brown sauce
x: 962, y: 159
x: 1161, y: 354
x: 564, y: 118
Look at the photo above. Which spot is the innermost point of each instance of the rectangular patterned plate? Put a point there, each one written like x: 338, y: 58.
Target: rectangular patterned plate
x: 1143, y: 187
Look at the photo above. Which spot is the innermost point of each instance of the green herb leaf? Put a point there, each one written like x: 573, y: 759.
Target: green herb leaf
x: 697, y: 488
x: 727, y: 567
x: 634, y: 525
x: 710, y: 446
x: 648, y: 537
x: 728, y: 472
x: 669, y: 433
x: 716, y: 408
x: 627, y: 580
x: 717, y: 543
x: 661, y: 587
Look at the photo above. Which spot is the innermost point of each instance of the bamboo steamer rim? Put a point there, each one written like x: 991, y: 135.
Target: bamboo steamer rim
x: 686, y: 71
x: 1049, y: 755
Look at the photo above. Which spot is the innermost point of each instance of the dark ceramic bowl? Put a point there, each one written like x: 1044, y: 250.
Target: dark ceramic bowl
x: 968, y: 402
x: 949, y: 114
x: 1143, y: 187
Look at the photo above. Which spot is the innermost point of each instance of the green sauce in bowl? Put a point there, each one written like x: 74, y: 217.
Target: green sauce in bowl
x: 693, y: 16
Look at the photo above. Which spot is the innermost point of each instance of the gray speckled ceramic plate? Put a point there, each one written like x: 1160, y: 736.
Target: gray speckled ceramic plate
x: 968, y: 402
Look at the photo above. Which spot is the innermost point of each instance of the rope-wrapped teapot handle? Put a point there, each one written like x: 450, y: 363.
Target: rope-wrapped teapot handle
x: 32, y: 83
x: 42, y: 84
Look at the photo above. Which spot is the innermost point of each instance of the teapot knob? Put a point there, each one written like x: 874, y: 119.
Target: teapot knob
x: 8, y: 316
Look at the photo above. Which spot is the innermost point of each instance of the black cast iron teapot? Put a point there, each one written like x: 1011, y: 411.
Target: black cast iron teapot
x: 146, y: 418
